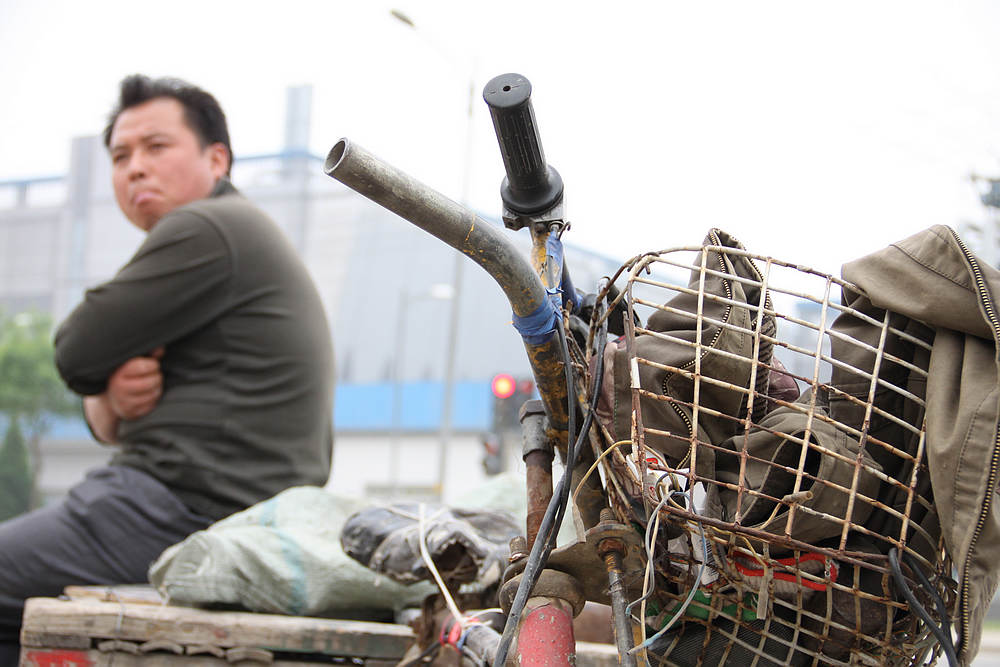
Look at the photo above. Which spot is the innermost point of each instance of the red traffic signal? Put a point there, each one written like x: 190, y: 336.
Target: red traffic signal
x: 503, y: 386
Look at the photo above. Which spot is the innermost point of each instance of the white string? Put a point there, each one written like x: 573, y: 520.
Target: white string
x: 449, y: 601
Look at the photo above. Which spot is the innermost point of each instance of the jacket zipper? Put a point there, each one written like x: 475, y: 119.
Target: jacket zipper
x: 717, y: 241
x: 725, y: 315
x: 715, y: 339
x: 984, y: 296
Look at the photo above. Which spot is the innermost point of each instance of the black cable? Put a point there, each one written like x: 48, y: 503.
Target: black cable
x: 573, y: 452
x: 548, y: 529
x: 942, y: 634
x: 572, y: 446
x: 926, y: 584
x: 533, y: 566
x: 432, y: 649
x: 469, y: 654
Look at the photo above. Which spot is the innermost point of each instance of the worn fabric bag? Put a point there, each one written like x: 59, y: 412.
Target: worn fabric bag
x: 281, y: 556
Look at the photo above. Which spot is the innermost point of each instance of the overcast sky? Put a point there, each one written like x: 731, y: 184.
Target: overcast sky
x: 813, y: 131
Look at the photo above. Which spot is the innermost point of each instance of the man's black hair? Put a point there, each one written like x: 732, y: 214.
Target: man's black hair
x: 202, y: 112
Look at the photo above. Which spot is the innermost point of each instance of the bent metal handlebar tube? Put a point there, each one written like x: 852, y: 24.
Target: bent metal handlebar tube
x: 474, y: 237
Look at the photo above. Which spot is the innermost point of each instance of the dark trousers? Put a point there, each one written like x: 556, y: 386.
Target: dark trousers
x: 107, y: 530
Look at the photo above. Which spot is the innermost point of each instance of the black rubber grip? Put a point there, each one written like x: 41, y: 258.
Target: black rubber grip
x: 531, y: 186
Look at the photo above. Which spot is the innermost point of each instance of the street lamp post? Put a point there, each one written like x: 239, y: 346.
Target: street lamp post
x: 438, y: 292
x: 459, y: 264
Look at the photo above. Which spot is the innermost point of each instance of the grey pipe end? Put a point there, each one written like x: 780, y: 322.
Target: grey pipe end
x: 335, y: 155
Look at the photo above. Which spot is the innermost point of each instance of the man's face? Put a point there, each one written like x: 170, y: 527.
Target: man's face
x: 157, y: 163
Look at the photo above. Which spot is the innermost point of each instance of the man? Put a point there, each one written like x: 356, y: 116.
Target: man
x: 207, y: 359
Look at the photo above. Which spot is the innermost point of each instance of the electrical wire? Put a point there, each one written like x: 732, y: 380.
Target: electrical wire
x: 536, y: 561
x: 464, y: 622
x: 592, y: 468
x: 573, y: 452
x: 648, y: 578
x: 652, y: 528
x: 941, y: 632
x: 649, y: 543
x: 548, y: 530
x: 687, y: 602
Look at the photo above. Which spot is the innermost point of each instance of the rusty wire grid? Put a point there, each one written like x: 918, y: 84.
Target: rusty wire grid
x: 768, y: 441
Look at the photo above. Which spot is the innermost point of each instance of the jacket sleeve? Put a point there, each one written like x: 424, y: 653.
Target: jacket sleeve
x: 178, y: 281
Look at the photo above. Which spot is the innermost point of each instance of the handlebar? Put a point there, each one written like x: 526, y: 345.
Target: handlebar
x: 449, y: 221
x: 531, y: 186
x: 474, y: 237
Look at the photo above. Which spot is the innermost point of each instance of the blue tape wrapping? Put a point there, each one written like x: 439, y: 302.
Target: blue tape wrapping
x: 537, y: 327
x: 461, y: 640
x: 554, y: 251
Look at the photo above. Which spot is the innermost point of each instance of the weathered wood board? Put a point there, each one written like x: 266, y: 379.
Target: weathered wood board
x: 85, y: 623
x: 94, y: 658
x: 101, y: 627
x: 119, y: 593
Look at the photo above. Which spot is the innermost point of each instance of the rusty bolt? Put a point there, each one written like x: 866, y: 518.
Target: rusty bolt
x: 609, y: 535
x: 608, y: 529
x: 518, y: 548
x: 610, y: 545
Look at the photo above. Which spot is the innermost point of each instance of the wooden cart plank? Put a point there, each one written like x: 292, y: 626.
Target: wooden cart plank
x: 137, y: 594
x: 31, y: 657
x: 48, y: 618
x: 587, y: 655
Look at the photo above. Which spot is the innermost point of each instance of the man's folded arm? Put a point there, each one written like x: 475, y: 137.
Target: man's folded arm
x: 175, y: 284
x: 101, y: 419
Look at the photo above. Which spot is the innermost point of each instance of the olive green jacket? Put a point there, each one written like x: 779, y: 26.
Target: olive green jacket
x: 727, y: 346
x: 248, y: 369
x: 932, y: 279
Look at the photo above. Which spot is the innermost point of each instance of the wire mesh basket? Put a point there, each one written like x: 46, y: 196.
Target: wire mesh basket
x: 765, y: 432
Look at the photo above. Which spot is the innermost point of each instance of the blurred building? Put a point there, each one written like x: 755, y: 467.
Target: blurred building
x: 983, y: 236
x: 387, y: 287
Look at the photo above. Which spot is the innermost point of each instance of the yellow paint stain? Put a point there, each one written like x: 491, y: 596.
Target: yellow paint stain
x: 471, y: 229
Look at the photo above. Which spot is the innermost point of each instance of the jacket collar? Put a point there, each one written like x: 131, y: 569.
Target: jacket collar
x: 223, y: 187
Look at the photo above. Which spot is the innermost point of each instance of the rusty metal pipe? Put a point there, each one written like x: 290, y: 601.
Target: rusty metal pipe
x: 474, y: 237
x: 538, y: 472
x: 611, y: 547
x: 622, y: 626
x: 537, y: 453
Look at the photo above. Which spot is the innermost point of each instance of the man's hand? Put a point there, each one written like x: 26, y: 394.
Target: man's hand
x: 136, y: 387
x: 133, y: 391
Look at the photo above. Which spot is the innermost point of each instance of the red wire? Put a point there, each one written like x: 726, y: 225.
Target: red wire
x: 792, y: 562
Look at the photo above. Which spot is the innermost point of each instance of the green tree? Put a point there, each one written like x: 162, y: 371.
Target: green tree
x: 16, y: 488
x: 31, y: 392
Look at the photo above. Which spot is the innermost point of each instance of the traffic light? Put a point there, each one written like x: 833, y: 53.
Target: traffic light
x: 509, y: 393
x: 503, y: 386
